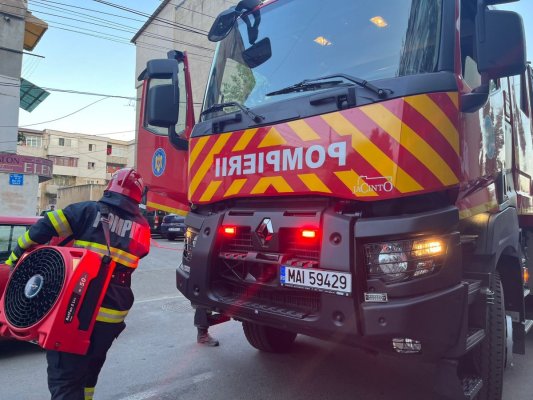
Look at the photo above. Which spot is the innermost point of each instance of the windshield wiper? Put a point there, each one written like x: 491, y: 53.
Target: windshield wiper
x: 322, y: 83
x: 220, y: 106
x: 305, y: 86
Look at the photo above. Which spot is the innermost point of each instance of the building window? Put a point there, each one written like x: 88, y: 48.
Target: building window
x: 91, y: 182
x: 90, y: 165
x: 65, y: 142
x: 34, y: 141
x: 64, y: 161
x: 92, y: 147
x: 109, y: 149
x: 64, y: 180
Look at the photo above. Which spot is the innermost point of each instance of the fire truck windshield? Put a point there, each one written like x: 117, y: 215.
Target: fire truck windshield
x: 368, y: 39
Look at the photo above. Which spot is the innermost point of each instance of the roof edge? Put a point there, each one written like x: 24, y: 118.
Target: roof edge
x: 149, y: 20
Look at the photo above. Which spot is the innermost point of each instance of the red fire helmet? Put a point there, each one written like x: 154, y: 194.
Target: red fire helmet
x: 128, y: 182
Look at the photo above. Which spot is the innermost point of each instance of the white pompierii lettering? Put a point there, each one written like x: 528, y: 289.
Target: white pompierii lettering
x: 281, y: 160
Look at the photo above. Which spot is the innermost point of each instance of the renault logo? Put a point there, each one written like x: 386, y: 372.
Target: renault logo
x: 265, y: 231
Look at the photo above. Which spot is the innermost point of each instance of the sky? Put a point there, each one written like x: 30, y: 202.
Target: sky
x: 87, y: 63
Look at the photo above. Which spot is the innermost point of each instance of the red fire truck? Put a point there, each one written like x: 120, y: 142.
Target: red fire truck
x: 361, y: 172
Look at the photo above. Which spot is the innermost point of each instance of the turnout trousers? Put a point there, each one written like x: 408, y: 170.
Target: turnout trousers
x: 74, y: 376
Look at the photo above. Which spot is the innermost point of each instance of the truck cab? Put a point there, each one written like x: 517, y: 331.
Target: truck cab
x: 360, y: 173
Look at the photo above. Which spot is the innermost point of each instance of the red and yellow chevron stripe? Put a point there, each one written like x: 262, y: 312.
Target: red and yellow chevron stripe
x: 390, y: 149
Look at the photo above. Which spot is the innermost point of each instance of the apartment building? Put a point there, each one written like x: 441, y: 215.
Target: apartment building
x: 78, y: 160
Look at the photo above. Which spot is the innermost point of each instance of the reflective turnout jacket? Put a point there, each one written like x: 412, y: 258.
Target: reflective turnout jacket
x: 129, y: 242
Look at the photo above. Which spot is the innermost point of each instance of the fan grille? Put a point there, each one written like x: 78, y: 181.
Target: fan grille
x: 34, y: 287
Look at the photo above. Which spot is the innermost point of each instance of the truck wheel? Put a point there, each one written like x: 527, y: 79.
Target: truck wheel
x: 489, y: 357
x: 270, y: 340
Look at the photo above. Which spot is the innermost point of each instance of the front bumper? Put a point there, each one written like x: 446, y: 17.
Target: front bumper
x: 436, y: 319
x: 431, y: 310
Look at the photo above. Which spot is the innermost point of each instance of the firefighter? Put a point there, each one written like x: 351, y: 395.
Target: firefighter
x: 201, y: 321
x: 72, y: 376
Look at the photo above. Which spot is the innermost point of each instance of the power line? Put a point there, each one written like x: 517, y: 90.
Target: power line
x: 143, y: 45
x: 56, y: 119
x: 95, y: 11
x: 76, y: 92
x: 115, y: 38
x: 112, y: 25
x: 166, y: 21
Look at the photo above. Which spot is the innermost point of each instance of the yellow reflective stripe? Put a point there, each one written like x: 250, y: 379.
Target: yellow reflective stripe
x: 111, y: 316
x: 13, y: 257
x: 119, y: 256
x: 60, y: 222
x: 89, y: 393
x: 24, y: 241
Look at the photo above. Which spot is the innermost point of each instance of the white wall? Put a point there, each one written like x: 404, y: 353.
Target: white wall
x: 20, y: 201
x: 158, y: 38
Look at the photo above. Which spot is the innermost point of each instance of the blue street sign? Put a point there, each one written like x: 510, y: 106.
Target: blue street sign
x: 16, y: 179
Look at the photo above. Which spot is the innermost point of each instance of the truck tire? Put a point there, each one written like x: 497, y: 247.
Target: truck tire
x: 268, y: 339
x: 489, y: 357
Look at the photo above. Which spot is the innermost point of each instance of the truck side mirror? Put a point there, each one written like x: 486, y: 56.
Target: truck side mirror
x: 161, y: 69
x: 501, y: 49
x: 223, y: 25
x: 162, y: 106
x: 258, y: 53
x: 162, y: 100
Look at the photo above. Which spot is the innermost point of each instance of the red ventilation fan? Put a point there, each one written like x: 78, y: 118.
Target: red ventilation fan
x: 53, y: 296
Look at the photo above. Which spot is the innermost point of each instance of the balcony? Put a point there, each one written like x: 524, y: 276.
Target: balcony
x: 51, y: 189
x: 117, y: 160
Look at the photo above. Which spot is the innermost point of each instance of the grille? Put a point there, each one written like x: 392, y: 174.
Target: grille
x: 241, y: 243
x: 34, y: 287
x: 298, y: 303
x: 293, y: 245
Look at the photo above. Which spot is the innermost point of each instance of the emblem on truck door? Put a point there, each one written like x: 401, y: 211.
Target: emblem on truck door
x: 265, y: 231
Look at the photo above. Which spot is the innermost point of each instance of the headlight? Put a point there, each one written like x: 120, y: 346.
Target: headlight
x: 402, y: 260
x: 191, y: 236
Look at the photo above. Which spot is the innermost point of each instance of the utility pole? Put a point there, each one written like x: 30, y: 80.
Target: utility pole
x: 12, y: 23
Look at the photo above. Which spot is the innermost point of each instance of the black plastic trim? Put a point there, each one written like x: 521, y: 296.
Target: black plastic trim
x: 441, y: 220
x: 434, y: 319
x: 447, y: 37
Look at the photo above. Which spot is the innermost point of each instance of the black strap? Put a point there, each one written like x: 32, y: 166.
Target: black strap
x: 88, y: 308
x: 66, y: 240
x: 104, y: 218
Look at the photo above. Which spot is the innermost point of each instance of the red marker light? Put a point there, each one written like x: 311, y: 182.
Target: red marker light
x: 229, y: 230
x: 309, y: 233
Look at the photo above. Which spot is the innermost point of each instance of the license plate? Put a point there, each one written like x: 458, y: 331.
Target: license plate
x: 312, y: 279
x: 174, y: 229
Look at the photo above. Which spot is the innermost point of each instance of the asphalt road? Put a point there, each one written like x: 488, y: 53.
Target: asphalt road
x: 157, y: 358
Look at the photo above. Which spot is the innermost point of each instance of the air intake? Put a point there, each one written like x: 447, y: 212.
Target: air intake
x: 34, y: 288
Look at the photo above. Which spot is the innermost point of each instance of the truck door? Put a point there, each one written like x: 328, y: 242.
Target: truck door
x: 163, y: 162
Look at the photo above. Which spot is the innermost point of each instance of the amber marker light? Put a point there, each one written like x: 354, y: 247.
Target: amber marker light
x: 525, y: 275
